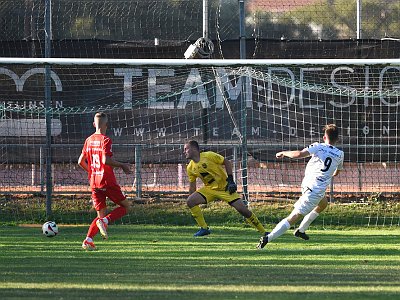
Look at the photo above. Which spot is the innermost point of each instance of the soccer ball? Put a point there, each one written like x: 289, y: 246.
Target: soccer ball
x: 50, y: 229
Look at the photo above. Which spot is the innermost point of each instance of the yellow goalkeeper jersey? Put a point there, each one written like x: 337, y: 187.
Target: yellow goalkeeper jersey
x: 209, y: 169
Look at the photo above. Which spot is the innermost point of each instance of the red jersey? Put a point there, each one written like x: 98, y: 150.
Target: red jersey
x: 96, y: 148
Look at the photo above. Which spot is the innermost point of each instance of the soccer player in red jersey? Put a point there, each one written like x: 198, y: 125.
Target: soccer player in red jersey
x: 96, y: 158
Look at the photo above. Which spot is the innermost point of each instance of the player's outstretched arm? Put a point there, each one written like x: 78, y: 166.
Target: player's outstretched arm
x: 293, y: 154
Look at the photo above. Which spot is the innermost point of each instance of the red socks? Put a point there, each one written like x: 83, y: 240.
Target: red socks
x: 93, y: 230
x: 116, y: 214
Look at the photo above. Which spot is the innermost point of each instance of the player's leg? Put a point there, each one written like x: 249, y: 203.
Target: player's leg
x: 279, y: 229
x: 301, y: 208
x: 115, y: 195
x: 309, y: 218
x: 250, y: 217
x: 284, y: 225
x: 99, y: 204
x: 193, y: 202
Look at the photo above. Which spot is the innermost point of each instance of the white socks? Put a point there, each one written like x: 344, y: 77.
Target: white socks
x: 308, y: 220
x: 279, y: 229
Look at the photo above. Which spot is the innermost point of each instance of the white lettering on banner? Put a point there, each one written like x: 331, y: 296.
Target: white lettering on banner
x: 194, y: 89
x: 139, y: 131
x: 301, y: 101
x: 292, y: 90
x: 255, y: 131
x: 28, y: 104
x: 226, y: 86
x: 236, y: 132
x: 215, y: 131
x: 312, y: 130
x: 385, y: 69
x: 117, y: 131
x: 59, y: 104
x: 230, y: 85
x: 162, y: 88
x: 385, y: 130
x: 128, y: 73
x: 193, y: 83
x: 336, y: 85
x: 366, y: 87
x: 19, y: 87
x: 161, y: 131
x: 19, y: 82
x: 29, y: 127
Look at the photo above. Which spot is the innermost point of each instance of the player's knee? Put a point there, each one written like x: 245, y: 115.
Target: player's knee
x: 189, y: 202
x: 195, y: 199
x: 127, y: 205
x: 245, y: 213
x: 293, y: 217
x: 321, y: 206
x: 241, y: 208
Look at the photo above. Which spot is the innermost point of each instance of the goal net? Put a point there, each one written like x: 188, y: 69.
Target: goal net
x: 247, y: 110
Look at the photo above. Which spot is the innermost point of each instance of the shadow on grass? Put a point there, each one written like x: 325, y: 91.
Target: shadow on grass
x: 150, y: 262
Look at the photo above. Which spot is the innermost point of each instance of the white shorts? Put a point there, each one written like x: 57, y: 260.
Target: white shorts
x: 308, y: 201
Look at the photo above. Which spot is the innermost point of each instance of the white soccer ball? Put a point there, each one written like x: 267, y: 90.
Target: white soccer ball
x: 50, y: 229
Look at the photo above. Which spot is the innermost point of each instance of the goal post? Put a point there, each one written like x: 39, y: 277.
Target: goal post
x: 155, y: 106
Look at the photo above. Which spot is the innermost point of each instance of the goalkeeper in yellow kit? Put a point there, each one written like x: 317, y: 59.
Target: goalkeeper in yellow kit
x: 216, y: 173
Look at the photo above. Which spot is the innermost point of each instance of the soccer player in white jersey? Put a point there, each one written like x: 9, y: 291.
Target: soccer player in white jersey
x: 326, y: 161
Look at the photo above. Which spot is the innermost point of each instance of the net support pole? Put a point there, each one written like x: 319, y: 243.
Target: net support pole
x: 359, y: 8
x: 138, y: 174
x: 47, y: 96
x: 41, y: 164
x: 242, y: 30
x: 243, y: 110
x: 235, y: 159
x: 205, y: 18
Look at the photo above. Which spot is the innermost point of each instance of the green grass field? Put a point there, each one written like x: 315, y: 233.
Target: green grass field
x: 156, y: 262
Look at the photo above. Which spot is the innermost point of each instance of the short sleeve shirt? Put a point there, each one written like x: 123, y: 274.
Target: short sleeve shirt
x: 96, y: 147
x: 209, y: 169
x: 325, y: 160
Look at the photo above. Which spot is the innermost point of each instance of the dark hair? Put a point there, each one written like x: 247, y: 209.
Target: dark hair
x: 332, y: 132
x: 193, y: 143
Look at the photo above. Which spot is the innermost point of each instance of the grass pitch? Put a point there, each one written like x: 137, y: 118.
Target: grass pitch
x: 156, y: 262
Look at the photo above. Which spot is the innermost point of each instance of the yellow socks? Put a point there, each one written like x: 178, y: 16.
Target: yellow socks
x: 198, y: 216
x: 253, y: 221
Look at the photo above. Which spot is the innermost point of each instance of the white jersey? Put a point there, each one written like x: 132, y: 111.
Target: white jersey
x: 325, y: 160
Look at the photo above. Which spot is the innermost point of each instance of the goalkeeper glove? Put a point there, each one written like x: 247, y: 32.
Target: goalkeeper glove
x: 231, y: 187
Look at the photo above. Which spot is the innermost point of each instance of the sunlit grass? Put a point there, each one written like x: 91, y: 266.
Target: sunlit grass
x: 161, y: 262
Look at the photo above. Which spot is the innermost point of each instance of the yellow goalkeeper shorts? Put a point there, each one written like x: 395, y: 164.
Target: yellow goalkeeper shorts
x: 212, y: 195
